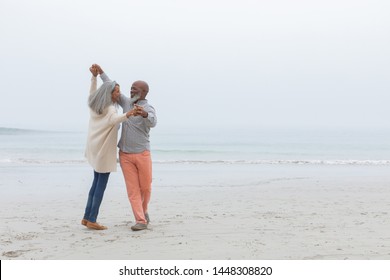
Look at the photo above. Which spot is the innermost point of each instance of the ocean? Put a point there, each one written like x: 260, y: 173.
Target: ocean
x: 223, y: 146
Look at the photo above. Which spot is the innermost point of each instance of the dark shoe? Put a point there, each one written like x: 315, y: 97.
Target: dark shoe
x: 96, y: 226
x: 139, y: 227
x: 84, y: 222
x: 147, y: 218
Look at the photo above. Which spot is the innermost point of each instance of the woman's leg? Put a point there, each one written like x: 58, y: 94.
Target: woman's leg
x: 98, y: 195
x: 90, y: 196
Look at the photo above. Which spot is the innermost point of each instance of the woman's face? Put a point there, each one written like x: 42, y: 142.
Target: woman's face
x: 116, y: 94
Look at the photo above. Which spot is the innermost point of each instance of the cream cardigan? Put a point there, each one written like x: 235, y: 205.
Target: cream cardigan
x: 102, y: 137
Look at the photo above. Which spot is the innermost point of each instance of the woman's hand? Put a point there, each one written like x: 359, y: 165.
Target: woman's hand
x: 131, y: 113
x: 93, y: 70
x: 98, y: 68
x: 140, y: 111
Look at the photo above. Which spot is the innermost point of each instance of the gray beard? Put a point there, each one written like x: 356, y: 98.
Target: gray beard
x: 134, y: 99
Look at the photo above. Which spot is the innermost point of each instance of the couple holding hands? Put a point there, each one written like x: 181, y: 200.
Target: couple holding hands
x: 134, y: 146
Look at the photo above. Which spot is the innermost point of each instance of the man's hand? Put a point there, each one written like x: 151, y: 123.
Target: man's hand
x: 99, y: 69
x: 139, y: 111
x: 93, y: 70
x: 131, y: 113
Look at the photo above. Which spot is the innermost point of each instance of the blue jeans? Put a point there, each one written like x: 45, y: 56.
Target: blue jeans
x: 95, y: 196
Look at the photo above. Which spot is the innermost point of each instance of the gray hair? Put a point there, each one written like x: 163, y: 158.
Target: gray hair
x: 101, y: 98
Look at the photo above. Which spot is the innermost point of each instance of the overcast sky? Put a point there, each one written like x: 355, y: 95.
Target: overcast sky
x: 293, y: 63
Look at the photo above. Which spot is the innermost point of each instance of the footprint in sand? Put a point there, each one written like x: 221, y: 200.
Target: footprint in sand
x: 26, y: 236
x: 110, y: 240
x: 14, y: 254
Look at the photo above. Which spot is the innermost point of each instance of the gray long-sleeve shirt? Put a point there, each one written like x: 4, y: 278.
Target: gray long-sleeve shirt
x: 135, y: 131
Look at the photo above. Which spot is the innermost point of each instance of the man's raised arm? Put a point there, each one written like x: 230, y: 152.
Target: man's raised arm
x: 103, y: 75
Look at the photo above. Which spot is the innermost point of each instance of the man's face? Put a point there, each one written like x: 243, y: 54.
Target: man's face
x: 136, y: 89
x: 116, y: 93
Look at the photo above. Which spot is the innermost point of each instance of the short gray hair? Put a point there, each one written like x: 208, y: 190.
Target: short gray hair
x: 101, y: 98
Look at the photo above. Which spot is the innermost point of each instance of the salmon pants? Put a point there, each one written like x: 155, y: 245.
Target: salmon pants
x: 137, y: 171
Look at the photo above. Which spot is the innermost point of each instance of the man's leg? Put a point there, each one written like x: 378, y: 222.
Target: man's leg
x: 144, y: 164
x: 130, y: 173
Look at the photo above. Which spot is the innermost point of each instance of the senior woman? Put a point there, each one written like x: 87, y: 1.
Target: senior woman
x: 101, y: 142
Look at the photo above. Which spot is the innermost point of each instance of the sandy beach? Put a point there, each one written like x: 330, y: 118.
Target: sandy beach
x: 262, y: 212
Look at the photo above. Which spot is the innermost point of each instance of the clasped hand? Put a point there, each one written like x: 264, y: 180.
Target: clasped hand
x: 139, y: 111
